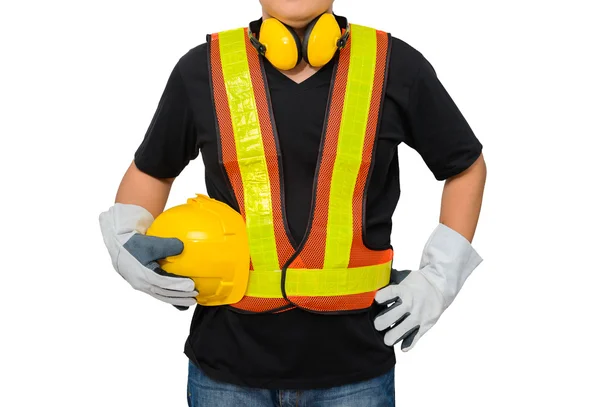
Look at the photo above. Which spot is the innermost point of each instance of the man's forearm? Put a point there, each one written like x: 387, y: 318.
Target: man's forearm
x: 462, y: 197
x: 141, y: 189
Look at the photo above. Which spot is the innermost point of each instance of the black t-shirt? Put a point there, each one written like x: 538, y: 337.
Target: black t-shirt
x: 297, y: 349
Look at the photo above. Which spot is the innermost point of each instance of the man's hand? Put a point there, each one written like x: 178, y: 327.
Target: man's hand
x: 419, y: 298
x: 134, y: 255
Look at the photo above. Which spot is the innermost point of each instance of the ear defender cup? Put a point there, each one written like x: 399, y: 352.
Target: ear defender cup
x: 282, y: 45
x: 321, y: 40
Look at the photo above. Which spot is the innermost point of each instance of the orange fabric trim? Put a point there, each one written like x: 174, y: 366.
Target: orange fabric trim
x: 353, y: 302
x: 257, y: 304
x: 360, y: 255
x: 313, y: 252
x: 228, y: 151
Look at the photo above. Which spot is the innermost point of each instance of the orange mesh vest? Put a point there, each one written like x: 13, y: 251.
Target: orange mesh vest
x: 331, y: 270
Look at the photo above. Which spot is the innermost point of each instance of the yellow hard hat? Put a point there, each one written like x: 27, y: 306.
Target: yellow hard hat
x: 215, y: 248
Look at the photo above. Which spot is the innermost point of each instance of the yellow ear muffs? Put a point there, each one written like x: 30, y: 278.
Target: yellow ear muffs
x: 321, y: 40
x: 281, y: 44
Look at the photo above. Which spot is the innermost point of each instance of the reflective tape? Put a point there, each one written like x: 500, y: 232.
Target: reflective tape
x: 250, y: 150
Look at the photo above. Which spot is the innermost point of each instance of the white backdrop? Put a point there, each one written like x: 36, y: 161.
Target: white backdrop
x: 79, y: 83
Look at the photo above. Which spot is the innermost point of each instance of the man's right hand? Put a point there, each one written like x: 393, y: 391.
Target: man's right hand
x: 134, y: 255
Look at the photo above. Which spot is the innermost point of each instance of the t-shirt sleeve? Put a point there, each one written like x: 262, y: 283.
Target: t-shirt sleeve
x: 437, y: 129
x: 171, y: 140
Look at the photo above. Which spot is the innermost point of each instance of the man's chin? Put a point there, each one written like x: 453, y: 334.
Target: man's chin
x: 297, y: 22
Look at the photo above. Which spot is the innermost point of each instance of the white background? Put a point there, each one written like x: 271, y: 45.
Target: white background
x: 79, y: 84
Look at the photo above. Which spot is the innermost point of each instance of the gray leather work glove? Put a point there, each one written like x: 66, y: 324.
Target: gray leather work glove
x: 134, y: 255
x: 418, y: 298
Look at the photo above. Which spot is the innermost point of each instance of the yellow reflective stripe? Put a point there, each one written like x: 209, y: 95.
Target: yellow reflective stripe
x: 250, y: 150
x: 265, y: 284
x: 320, y: 282
x: 357, y: 101
x: 333, y: 282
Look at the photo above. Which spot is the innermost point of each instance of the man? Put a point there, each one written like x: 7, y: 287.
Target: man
x: 317, y: 147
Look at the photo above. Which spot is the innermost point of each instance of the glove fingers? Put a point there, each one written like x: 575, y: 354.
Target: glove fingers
x: 386, y: 294
x: 401, y: 331
x: 182, y: 302
x: 154, y: 266
x: 160, y: 278
x: 173, y: 293
x: 391, y: 315
x: 410, y: 340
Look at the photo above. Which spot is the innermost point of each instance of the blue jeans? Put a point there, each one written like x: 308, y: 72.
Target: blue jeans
x: 205, y: 392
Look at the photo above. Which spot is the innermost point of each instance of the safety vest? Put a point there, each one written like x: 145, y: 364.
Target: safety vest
x: 331, y: 270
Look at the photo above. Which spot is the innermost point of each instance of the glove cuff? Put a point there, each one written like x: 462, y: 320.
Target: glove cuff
x: 127, y: 219
x: 448, y: 259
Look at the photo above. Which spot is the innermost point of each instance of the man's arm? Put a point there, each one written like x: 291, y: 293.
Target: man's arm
x: 420, y: 297
x: 462, y: 197
x: 138, y: 188
x: 168, y: 146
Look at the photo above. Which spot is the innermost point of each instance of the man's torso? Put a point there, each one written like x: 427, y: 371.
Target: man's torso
x: 298, y: 349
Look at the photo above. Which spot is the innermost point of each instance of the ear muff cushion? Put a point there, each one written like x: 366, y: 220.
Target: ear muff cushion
x: 321, y: 40
x: 283, y: 47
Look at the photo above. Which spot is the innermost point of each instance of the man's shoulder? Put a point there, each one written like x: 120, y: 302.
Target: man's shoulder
x: 194, y: 56
x: 197, y: 54
x: 403, y: 55
x: 406, y: 62
x: 401, y: 50
x: 193, y: 65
